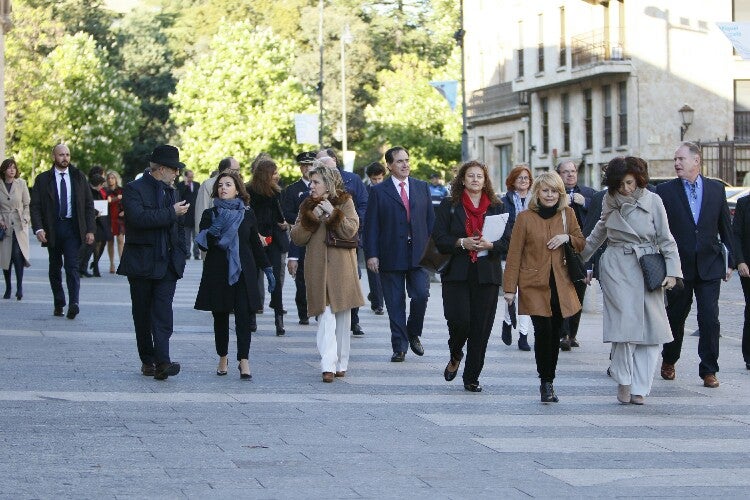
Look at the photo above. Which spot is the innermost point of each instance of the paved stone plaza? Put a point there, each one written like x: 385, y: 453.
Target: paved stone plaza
x: 77, y: 420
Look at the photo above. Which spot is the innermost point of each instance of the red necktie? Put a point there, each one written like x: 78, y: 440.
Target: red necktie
x: 405, y: 200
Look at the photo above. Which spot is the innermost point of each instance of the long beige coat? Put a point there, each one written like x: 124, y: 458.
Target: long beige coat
x: 632, y: 313
x: 530, y: 262
x: 330, y: 273
x: 14, y: 212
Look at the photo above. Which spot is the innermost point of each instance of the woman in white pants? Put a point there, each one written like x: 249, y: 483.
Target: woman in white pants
x: 633, y: 223
x: 331, y: 275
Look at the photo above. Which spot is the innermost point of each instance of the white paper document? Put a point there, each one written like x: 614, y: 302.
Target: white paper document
x: 101, y: 206
x: 494, y: 227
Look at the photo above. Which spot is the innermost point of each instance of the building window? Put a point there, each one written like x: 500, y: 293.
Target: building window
x: 622, y: 97
x: 519, y: 51
x: 504, y: 160
x: 545, y: 125
x: 540, y: 46
x: 565, y: 101
x: 563, y: 48
x: 607, y: 97
x: 480, y: 148
x: 587, y: 118
x: 742, y: 110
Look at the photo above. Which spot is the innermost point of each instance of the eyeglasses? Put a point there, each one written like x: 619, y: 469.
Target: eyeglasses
x: 522, y: 178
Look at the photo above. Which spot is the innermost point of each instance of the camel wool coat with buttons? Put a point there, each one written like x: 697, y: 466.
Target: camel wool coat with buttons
x: 14, y: 212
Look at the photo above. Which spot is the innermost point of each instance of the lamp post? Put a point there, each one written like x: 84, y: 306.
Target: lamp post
x: 320, y: 77
x: 459, y: 37
x: 686, y: 116
x: 346, y: 37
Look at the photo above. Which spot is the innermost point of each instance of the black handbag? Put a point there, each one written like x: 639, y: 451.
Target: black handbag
x: 573, y: 260
x: 432, y: 259
x: 334, y: 241
x: 654, y: 269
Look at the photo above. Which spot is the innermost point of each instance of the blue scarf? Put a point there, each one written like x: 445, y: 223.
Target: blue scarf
x: 224, y: 228
x: 519, y: 205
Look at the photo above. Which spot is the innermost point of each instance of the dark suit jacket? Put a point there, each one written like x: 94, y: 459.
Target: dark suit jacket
x: 741, y: 230
x: 189, y: 218
x: 387, y: 232
x: 146, y: 224
x: 45, y: 204
x: 699, y: 243
x: 582, y: 211
x: 450, y: 225
x: 291, y: 199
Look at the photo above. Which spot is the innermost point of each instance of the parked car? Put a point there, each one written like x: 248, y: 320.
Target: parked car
x: 734, y: 193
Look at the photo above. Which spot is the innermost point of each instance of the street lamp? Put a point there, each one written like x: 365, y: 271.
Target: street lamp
x: 686, y: 116
x: 346, y: 37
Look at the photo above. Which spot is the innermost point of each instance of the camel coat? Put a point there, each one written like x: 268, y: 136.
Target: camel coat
x: 14, y: 212
x: 331, y: 275
x: 530, y: 262
x: 632, y: 313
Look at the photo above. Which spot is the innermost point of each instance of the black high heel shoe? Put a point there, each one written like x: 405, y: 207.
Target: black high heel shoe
x: 456, y: 362
x: 244, y: 376
x: 7, y: 294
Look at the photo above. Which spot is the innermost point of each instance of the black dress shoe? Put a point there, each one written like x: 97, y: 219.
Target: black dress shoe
x: 73, y: 311
x: 473, y: 387
x: 379, y: 311
x: 166, y: 370
x: 304, y: 321
x: 58, y: 311
x: 147, y: 369
x: 454, y: 363
x: 747, y: 365
x: 565, y: 343
x: 506, y: 335
x: 574, y: 342
x: 357, y: 330
x: 547, y: 392
x: 416, y: 346
x: 85, y: 274
x: 398, y: 357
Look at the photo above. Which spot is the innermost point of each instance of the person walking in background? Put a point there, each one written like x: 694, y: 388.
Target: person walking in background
x: 103, y: 227
x: 515, y: 201
x: 14, y: 221
x: 579, y: 199
x: 330, y: 272
x: 62, y: 217
x: 471, y: 282
x: 398, y: 224
x: 698, y: 216
x: 741, y: 230
x: 633, y: 223
x: 154, y: 258
x: 189, y: 192
x: 265, y: 200
x: 536, y: 268
x: 375, y: 173
x: 116, y: 217
x: 234, y: 255
x: 437, y: 190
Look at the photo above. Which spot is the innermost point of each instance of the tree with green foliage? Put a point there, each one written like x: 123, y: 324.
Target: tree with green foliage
x: 79, y: 100
x: 239, y: 99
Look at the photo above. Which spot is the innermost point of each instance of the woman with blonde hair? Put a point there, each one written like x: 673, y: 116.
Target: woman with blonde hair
x: 536, y: 267
x: 116, y: 217
x: 331, y: 274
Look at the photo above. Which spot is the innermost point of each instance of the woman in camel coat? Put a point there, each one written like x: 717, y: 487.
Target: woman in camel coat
x: 331, y: 274
x: 536, y: 267
x: 14, y: 218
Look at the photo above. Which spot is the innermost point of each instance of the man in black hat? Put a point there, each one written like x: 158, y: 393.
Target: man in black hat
x: 154, y: 257
x: 291, y: 200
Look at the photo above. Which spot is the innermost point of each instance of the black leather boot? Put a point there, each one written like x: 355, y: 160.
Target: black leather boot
x: 280, y: 324
x: 548, y: 393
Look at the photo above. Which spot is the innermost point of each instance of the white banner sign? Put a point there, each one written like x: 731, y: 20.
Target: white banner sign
x: 306, y: 128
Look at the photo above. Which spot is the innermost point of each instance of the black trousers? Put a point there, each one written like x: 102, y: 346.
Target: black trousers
x: 17, y: 262
x: 745, y: 282
x: 679, y: 303
x: 469, y: 310
x: 376, y: 290
x: 300, y: 297
x: 243, y: 317
x: 570, y: 325
x: 547, y: 337
x: 152, y: 315
x: 65, y: 254
x: 274, y: 257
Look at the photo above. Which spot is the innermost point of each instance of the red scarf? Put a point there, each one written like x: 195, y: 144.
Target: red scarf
x: 474, y: 218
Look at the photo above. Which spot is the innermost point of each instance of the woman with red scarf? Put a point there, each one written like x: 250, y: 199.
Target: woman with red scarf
x: 472, y: 279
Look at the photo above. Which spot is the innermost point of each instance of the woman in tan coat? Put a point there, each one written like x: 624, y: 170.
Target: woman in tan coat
x: 14, y: 218
x: 330, y: 272
x: 536, y: 267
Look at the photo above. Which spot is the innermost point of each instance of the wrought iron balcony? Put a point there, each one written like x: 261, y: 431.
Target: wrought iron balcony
x: 497, y: 101
x: 595, y: 47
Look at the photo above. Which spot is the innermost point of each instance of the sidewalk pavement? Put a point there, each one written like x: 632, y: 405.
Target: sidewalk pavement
x: 77, y: 420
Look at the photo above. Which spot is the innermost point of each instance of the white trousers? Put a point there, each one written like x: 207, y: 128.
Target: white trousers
x: 634, y: 365
x: 523, y: 322
x: 334, y: 340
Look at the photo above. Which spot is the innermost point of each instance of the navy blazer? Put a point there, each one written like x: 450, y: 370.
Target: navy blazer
x: 582, y: 211
x: 146, y: 223
x: 698, y: 244
x: 450, y: 225
x: 396, y: 242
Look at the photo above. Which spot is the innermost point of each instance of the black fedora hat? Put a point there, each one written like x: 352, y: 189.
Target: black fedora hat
x: 168, y: 156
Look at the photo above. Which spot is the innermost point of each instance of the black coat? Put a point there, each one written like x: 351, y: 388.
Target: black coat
x: 741, y: 229
x: 45, y: 204
x: 450, y: 225
x: 269, y: 215
x: 188, y: 220
x: 215, y: 293
x: 147, y: 224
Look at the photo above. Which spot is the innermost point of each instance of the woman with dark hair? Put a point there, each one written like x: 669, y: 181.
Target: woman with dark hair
x: 471, y: 282
x: 331, y: 274
x: 103, y: 227
x: 265, y: 200
x: 633, y: 223
x: 515, y: 201
x: 116, y: 217
x: 14, y: 219
x: 229, y: 235
x: 536, y: 267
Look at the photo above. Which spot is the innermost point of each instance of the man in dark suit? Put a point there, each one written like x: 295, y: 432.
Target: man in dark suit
x: 188, y: 189
x: 398, y: 224
x: 579, y: 199
x: 375, y: 172
x: 698, y: 216
x: 291, y: 200
x: 63, y: 216
x: 154, y: 257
